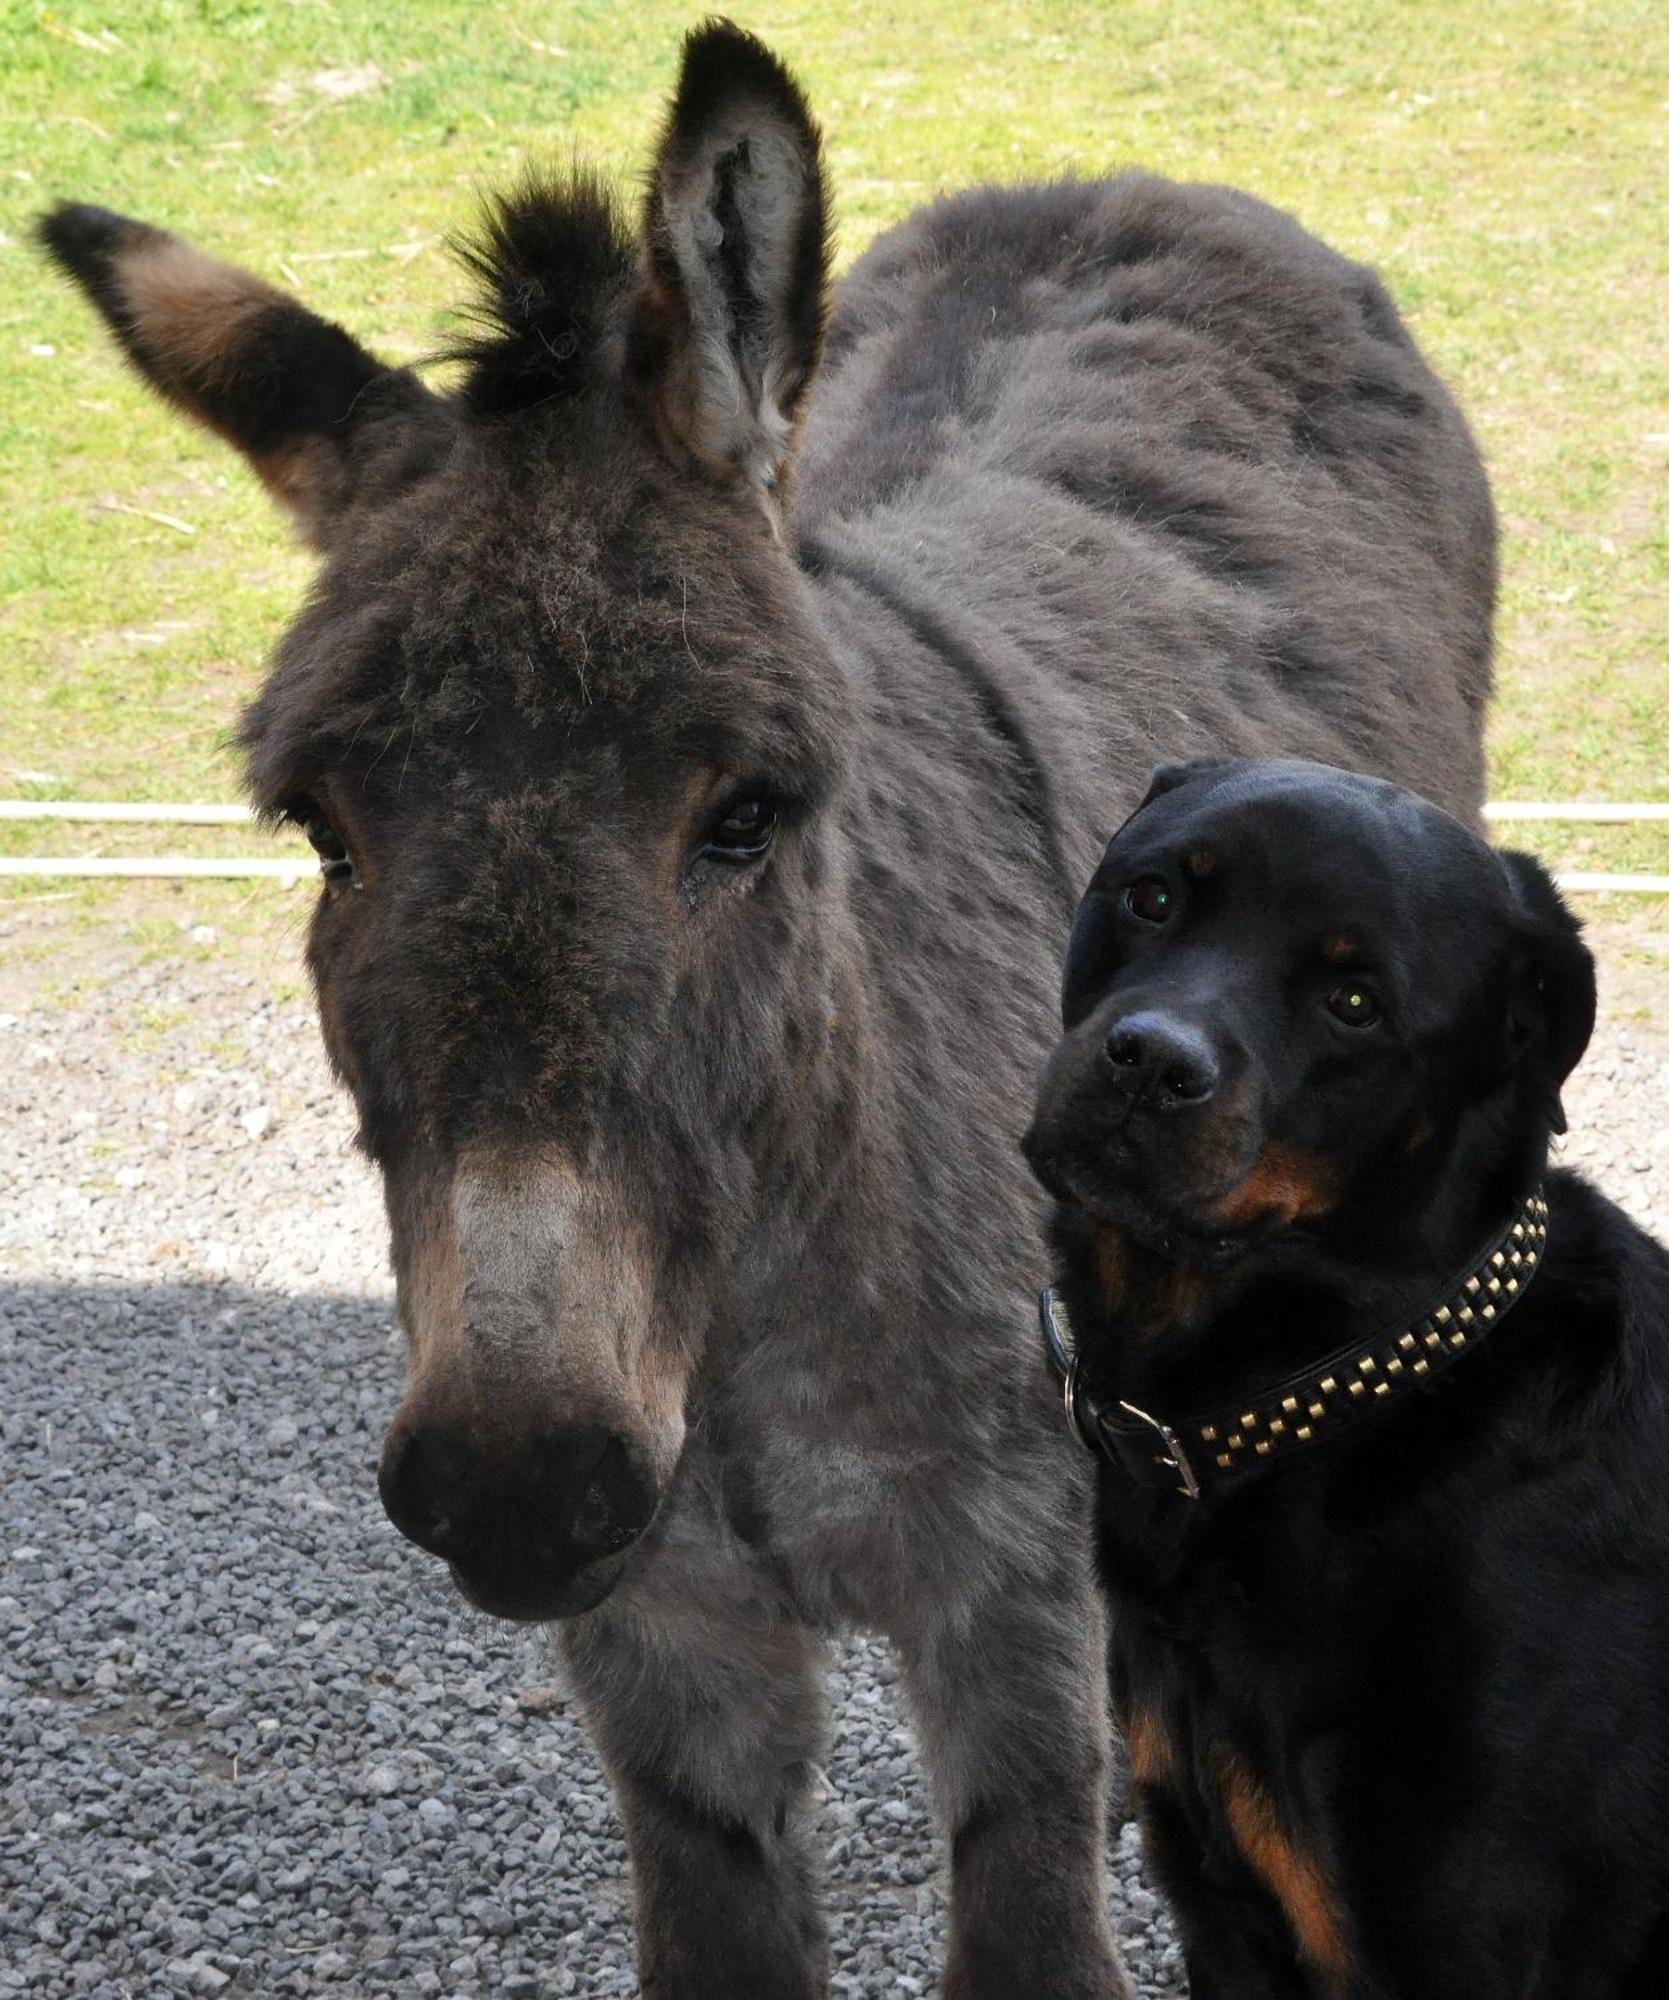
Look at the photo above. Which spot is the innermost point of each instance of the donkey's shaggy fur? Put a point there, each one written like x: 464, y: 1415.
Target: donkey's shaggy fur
x: 702, y: 846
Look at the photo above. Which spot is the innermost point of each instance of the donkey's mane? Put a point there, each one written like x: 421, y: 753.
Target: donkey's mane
x: 549, y: 257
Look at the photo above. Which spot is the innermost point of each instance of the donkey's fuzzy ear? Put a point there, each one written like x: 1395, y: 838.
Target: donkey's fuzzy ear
x: 729, y: 320
x: 293, y: 392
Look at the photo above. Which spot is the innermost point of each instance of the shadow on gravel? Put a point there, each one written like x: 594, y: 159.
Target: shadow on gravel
x: 253, y: 1743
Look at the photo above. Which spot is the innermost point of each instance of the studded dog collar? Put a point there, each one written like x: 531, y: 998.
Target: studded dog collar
x: 1193, y: 1451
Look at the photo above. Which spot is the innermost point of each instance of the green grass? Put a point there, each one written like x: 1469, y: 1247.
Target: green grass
x: 1505, y: 166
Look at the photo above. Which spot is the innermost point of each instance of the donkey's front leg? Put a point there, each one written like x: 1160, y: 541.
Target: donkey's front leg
x: 710, y: 1735
x: 1012, y: 1707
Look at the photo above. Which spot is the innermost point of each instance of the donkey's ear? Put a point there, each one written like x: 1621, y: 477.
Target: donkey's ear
x: 1552, y: 999
x: 295, y: 394
x: 729, y: 318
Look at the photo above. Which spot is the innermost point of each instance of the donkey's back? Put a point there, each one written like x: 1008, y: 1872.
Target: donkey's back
x: 1173, y: 472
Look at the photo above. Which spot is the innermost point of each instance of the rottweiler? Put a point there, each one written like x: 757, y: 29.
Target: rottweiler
x: 1381, y: 1401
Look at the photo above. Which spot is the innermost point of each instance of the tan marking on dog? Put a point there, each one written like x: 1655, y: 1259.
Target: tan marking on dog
x: 1183, y: 1295
x: 192, y: 315
x: 1151, y: 1758
x: 1111, y: 1263
x: 1423, y: 1129
x: 1293, y: 1877
x: 1201, y: 862
x: 1339, y: 948
x: 1148, y: 1299
x: 1289, y: 1182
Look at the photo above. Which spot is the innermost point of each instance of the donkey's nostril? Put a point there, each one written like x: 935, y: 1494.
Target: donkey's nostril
x: 615, y: 1503
x: 413, y: 1495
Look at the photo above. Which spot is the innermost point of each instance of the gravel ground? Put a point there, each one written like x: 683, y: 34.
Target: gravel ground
x: 252, y: 1743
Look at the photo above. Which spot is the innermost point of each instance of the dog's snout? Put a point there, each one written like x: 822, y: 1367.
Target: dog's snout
x: 1167, y: 1061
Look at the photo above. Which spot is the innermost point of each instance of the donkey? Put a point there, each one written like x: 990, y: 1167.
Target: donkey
x: 703, y: 776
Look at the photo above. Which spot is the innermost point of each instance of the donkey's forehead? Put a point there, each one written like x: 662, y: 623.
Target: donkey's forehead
x: 523, y: 617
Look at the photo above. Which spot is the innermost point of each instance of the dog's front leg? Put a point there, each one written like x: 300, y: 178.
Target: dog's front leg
x: 710, y: 1735
x: 1010, y: 1697
x: 1235, y: 1943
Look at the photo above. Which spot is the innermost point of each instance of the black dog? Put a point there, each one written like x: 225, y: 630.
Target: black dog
x: 1384, y: 1507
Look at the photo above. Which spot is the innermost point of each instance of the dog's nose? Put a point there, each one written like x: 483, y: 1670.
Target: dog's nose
x: 1169, y: 1063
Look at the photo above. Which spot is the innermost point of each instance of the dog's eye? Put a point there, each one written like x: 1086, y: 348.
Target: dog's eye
x: 1354, y: 1005
x: 744, y: 833
x: 1149, y: 899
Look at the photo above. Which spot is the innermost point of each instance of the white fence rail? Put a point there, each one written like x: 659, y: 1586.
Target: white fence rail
x: 115, y: 812
x: 159, y: 866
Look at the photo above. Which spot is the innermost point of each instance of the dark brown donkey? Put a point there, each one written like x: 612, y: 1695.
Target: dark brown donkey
x: 704, y: 776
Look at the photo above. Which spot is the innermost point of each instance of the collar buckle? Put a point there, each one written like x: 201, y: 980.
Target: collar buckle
x: 1175, y: 1457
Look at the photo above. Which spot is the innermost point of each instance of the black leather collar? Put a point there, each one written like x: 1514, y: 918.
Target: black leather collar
x: 1196, y: 1450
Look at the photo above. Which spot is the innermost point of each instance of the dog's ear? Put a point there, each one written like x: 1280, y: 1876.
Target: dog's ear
x: 1167, y: 777
x: 1550, y: 1012
x: 1089, y: 948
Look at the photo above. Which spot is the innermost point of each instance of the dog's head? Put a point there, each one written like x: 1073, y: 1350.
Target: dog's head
x: 1290, y: 992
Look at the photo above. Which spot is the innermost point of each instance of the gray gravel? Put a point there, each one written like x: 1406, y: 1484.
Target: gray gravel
x: 251, y: 1742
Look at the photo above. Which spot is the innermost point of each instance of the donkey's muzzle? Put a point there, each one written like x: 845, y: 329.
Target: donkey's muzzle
x: 533, y: 1532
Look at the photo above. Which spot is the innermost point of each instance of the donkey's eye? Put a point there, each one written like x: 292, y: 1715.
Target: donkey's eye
x: 744, y: 833
x: 1150, y: 899
x: 335, y: 862
x: 1354, y: 1005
